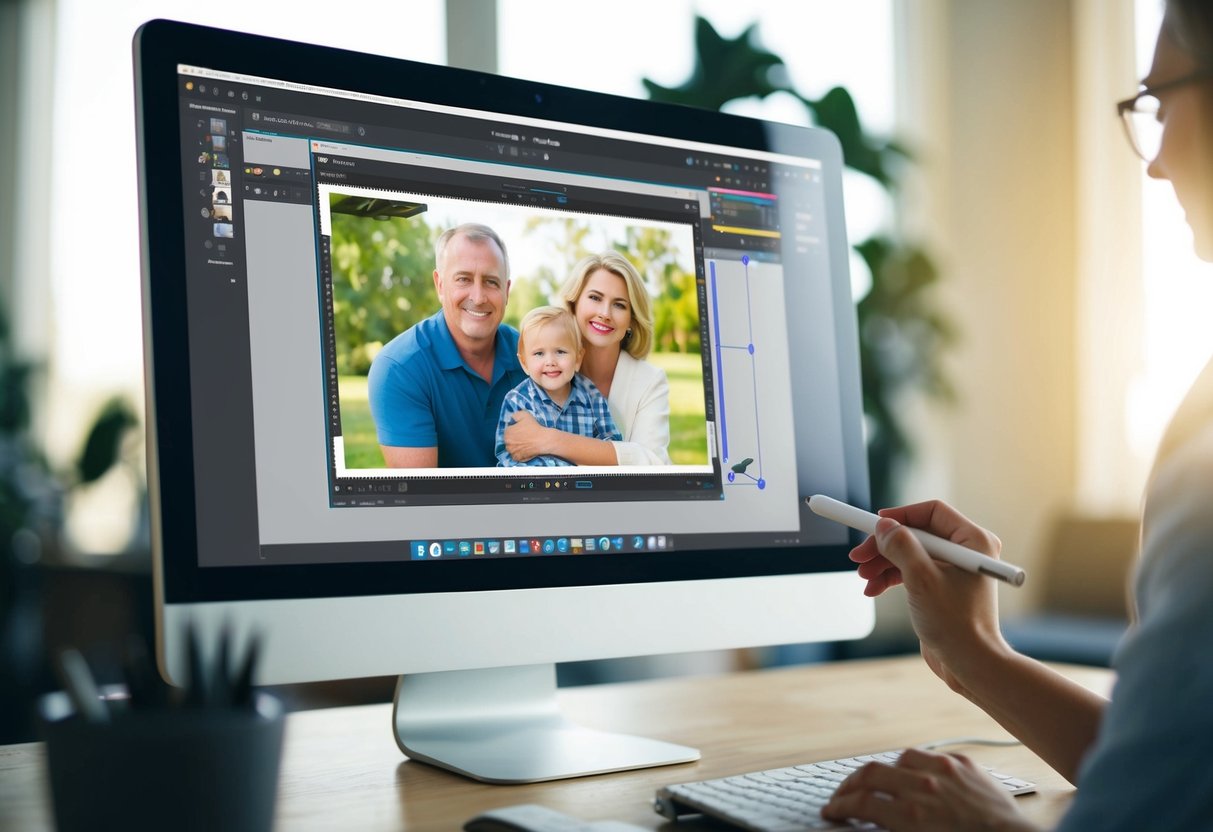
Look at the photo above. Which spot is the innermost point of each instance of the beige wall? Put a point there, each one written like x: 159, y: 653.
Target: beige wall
x: 1012, y: 262
x: 987, y: 92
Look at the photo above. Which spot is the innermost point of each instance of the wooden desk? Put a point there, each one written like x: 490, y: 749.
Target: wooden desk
x: 342, y: 770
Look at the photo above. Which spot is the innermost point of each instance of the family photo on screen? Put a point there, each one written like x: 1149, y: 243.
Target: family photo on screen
x: 480, y: 335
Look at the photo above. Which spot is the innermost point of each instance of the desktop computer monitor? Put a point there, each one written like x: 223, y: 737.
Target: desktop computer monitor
x: 308, y: 321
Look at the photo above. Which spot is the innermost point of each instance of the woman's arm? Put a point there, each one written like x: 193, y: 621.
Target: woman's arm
x: 955, y: 615
x: 1055, y: 717
x: 526, y: 439
x: 644, y: 395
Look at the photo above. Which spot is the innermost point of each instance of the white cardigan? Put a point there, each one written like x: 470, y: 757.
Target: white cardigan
x: 640, y: 405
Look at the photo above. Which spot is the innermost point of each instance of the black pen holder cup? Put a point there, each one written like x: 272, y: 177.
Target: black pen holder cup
x: 180, y: 769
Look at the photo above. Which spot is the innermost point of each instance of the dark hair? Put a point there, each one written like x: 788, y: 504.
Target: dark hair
x: 1190, y: 23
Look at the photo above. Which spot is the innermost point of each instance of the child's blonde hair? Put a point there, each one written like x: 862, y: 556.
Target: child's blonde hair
x: 544, y: 315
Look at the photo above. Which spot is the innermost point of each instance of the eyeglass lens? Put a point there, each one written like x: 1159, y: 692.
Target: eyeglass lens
x: 1143, y: 127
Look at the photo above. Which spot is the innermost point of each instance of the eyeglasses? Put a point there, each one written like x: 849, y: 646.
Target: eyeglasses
x: 1140, y: 115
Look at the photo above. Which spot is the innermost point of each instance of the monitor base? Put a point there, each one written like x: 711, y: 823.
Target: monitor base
x: 503, y: 725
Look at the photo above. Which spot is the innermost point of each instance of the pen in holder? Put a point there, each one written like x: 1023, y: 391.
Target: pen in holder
x: 151, y: 757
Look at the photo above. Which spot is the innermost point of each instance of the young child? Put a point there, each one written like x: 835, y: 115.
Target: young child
x: 550, y: 350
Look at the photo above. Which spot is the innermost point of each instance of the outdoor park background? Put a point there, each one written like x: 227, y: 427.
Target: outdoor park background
x: 383, y: 265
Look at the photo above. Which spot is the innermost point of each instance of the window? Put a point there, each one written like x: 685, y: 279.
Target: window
x: 1178, y: 287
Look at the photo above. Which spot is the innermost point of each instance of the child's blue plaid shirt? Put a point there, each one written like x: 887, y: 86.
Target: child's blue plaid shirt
x: 585, y: 413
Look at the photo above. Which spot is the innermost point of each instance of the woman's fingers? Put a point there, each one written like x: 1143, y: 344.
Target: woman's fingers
x: 865, y: 551
x: 925, y: 791
x: 870, y: 793
x: 903, y: 551
x: 885, y: 558
x: 942, y: 520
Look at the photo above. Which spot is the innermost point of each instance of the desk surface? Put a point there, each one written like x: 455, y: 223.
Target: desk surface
x: 342, y: 770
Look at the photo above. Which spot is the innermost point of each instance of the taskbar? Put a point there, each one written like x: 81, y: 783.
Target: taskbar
x: 453, y: 549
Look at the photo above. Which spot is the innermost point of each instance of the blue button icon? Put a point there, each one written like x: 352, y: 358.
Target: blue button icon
x: 465, y: 548
x: 604, y: 543
x: 562, y: 544
x: 448, y: 547
x: 637, y: 542
x: 549, y: 546
x: 419, y: 547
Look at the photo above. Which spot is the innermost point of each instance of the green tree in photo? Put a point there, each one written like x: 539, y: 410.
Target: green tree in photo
x: 672, y: 288
x: 565, y: 240
x: 382, y: 283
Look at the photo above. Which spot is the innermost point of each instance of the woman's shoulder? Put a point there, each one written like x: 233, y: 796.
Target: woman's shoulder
x: 1177, y: 526
x: 1179, y: 482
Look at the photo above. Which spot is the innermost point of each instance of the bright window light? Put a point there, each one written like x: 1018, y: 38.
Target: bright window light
x: 1178, y: 292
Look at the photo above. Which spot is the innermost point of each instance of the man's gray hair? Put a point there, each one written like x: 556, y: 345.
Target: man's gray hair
x: 477, y: 233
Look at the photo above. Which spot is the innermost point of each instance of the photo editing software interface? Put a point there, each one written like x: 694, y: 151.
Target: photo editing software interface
x: 312, y: 219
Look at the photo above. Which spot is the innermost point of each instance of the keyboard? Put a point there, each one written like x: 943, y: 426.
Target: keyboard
x: 782, y: 799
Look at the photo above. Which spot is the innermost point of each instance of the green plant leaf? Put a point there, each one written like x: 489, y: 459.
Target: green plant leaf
x: 103, y: 445
x: 725, y: 69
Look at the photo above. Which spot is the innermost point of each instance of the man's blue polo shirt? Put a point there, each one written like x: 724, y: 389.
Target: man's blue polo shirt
x: 423, y: 394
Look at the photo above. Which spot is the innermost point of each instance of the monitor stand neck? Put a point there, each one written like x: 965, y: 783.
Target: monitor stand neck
x: 502, y: 725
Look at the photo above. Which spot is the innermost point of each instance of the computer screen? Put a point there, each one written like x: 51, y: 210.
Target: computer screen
x: 361, y: 273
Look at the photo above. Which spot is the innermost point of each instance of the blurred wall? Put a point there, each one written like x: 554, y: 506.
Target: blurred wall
x: 987, y: 99
x: 1012, y: 260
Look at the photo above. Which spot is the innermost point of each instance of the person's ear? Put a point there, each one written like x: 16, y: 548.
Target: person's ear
x: 438, y: 284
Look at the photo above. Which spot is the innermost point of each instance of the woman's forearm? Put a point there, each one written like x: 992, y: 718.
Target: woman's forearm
x: 582, y: 450
x: 1053, y: 716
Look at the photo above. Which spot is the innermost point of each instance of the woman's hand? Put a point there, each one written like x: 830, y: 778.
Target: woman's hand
x: 925, y: 791
x: 525, y: 438
x: 954, y: 612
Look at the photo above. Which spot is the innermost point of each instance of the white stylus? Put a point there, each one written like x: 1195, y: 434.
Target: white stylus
x: 937, y: 547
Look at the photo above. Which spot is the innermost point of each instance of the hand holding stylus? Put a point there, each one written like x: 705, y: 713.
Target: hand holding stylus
x: 954, y: 613
x: 938, y: 547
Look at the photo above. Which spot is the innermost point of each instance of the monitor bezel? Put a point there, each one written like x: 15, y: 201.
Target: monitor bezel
x: 159, y: 47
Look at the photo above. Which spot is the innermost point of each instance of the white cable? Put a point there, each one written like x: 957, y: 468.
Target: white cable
x: 931, y: 746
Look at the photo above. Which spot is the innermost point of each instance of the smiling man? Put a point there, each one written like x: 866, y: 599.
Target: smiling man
x: 436, y: 389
